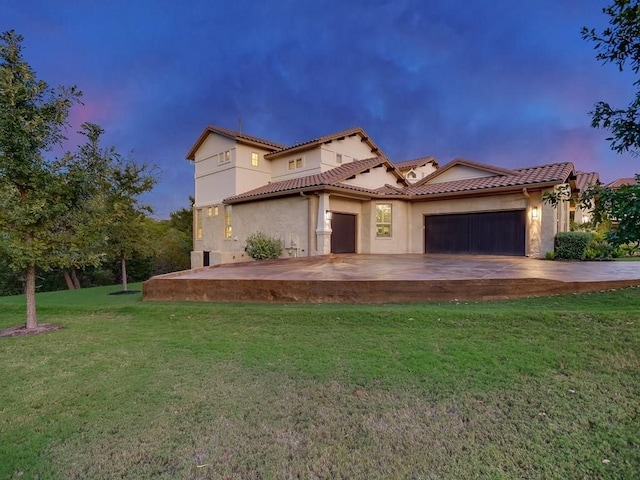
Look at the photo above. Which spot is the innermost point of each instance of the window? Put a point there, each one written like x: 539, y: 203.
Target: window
x: 338, y: 158
x: 383, y: 220
x: 199, y: 224
x: 224, y: 157
x: 294, y: 164
x: 215, y: 210
x: 255, y: 159
x: 209, y: 211
x: 411, y: 174
x: 212, y: 211
x: 227, y: 221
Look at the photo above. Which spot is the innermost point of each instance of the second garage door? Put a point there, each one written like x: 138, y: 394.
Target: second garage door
x: 488, y: 233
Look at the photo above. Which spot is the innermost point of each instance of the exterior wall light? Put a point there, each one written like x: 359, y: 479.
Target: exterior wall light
x: 534, y: 212
x: 328, y: 215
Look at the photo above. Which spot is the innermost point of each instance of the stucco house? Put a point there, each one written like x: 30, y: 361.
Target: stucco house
x: 340, y: 193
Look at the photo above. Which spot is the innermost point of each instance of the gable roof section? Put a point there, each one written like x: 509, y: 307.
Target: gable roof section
x: 584, y: 179
x: 332, y: 178
x: 540, y: 176
x: 620, y: 182
x: 309, y: 144
x: 235, y: 135
x: 467, y: 163
x: 415, y: 163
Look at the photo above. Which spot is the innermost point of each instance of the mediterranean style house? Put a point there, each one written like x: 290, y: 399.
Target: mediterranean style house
x: 341, y: 194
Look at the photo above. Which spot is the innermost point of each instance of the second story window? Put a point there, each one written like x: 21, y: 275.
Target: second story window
x: 338, y: 158
x: 255, y: 159
x: 224, y: 157
x: 295, y: 164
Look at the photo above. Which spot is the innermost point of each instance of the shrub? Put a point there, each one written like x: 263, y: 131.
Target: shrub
x: 599, y: 247
x: 572, y: 245
x: 260, y: 246
x: 550, y: 255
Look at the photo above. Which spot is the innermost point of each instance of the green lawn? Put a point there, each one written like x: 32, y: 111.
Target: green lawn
x: 533, y: 388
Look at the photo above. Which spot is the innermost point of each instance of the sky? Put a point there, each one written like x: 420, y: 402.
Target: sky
x: 503, y: 82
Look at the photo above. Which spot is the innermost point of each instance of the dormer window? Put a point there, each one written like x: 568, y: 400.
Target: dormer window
x: 411, y: 174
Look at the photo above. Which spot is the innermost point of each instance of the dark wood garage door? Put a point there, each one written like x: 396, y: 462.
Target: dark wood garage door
x: 488, y: 233
x: 343, y: 233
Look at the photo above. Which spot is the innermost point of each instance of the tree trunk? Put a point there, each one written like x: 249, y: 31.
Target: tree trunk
x: 30, y: 291
x: 123, y: 262
x: 74, y: 277
x: 67, y: 279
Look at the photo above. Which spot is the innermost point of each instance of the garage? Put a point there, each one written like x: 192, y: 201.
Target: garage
x: 343, y: 233
x: 484, y: 233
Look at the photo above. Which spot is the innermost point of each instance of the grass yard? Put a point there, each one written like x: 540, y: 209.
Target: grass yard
x: 532, y: 388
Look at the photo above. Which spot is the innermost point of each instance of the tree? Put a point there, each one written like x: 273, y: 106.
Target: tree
x: 33, y: 191
x: 619, y: 44
x: 618, y: 206
x: 125, y: 214
x: 78, y: 233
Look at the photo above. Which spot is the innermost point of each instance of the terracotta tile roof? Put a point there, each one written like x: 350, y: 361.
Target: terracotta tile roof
x: 328, y: 138
x: 416, y: 162
x: 523, y: 177
x: 620, y: 182
x: 468, y: 163
x: 236, y: 135
x: 584, y: 179
x: 331, y: 178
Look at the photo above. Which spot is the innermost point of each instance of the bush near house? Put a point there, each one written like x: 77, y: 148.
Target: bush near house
x: 260, y: 246
x: 572, y: 245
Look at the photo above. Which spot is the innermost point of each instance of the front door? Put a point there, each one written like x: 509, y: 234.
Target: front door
x: 343, y: 233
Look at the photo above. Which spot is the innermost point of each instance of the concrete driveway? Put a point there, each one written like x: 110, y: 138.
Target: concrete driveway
x: 358, y: 278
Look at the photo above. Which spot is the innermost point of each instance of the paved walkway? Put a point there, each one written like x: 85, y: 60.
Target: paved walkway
x: 388, y: 278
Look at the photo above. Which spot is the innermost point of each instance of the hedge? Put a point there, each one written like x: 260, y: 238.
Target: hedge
x: 572, y: 245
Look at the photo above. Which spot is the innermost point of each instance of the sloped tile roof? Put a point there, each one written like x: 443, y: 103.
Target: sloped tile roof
x: 621, y: 181
x: 328, y: 138
x: 234, y: 134
x: 584, y: 179
x: 416, y: 162
x: 469, y: 163
x: 333, y: 177
x: 544, y: 174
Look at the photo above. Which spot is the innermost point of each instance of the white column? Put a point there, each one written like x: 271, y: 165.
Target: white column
x: 323, y: 227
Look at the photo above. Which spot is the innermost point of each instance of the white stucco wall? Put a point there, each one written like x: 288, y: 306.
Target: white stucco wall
x: 374, y: 178
x: 352, y: 148
x: 310, y: 165
x: 215, y: 181
x: 460, y: 172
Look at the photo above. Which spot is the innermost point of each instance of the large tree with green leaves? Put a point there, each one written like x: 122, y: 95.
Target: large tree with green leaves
x: 125, y: 212
x: 619, y: 43
x: 34, y: 192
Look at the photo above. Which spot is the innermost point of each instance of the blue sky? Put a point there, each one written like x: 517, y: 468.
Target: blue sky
x: 504, y: 82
